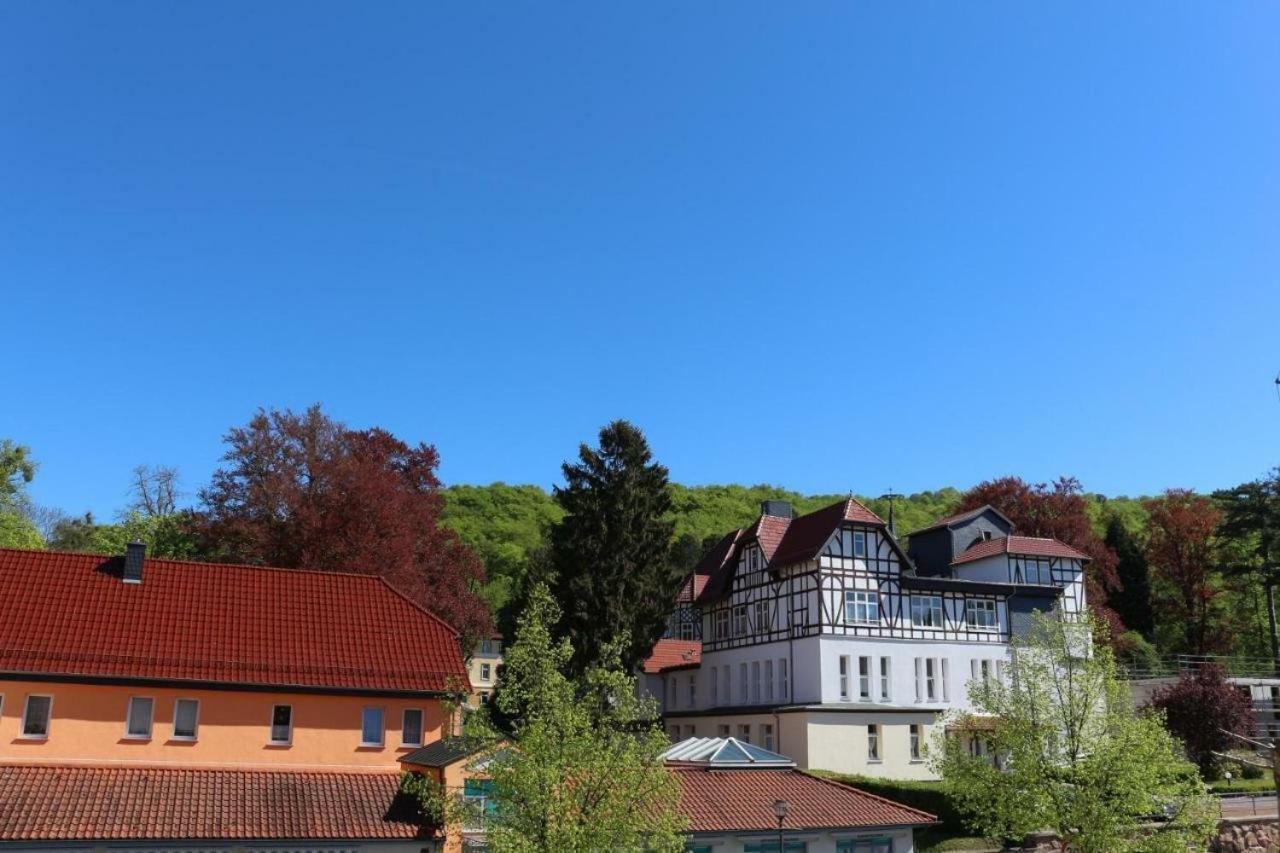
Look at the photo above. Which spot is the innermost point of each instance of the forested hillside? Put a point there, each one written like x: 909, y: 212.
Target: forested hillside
x: 506, y: 524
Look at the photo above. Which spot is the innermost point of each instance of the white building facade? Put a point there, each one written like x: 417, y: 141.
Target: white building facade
x: 823, y: 640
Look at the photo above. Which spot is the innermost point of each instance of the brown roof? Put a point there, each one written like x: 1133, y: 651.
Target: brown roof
x: 673, y: 654
x: 807, y: 534
x: 72, y: 614
x: 717, y: 566
x: 86, y: 803
x: 693, y: 586
x: 742, y: 801
x: 1023, y: 545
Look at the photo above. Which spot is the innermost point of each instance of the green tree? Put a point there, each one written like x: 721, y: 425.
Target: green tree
x: 582, y: 769
x: 1071, y: 754
x: 610, y: 555
x: 1250, y: 534
x: 17, y: 531
x: 1133, y: 600
x: 17, y: 469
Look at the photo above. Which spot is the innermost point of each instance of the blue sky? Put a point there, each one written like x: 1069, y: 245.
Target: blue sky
x: 831, y: 246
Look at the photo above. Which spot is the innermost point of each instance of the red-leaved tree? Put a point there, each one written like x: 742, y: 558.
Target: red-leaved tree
x: 305, y: 491
x: 1059, y: 511
x: 1198, y: 706
x: 1180, y: 531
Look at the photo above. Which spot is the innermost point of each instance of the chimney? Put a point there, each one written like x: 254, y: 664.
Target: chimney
x: 778, y: 509
x: 134, y: 553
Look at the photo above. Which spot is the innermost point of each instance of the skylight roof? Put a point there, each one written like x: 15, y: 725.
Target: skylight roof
x: 724, y: 752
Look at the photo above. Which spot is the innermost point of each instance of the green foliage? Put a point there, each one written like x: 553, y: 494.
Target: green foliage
x: 17, y: 531
x: 583, y: 770
x: 430, y: 796
x: 17, y: 469
x: 610, y: 554
x: 1074, y: 756
x: 164, y: 535
x: 1139, y: 655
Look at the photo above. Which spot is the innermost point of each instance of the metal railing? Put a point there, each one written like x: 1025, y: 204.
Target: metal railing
x: 1172, y: 667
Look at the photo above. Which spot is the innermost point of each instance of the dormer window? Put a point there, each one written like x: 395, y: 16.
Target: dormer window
x: 859, y: 543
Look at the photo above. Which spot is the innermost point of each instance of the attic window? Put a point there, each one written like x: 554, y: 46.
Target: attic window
x: 986, y: 536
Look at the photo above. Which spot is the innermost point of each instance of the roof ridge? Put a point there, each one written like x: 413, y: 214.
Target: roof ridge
x: 188, y: 768
x: 179, y: 562
x: 839, y: 784
x: 389, y: 585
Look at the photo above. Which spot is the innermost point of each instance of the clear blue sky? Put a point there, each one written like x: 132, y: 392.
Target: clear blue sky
x: 832, y: 246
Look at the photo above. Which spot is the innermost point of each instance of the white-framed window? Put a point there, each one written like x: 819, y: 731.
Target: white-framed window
x: 861, y: 607
x: 768, y: 680
x: 484, y: 697
x: 886, y: 679
x: 486, y: 647
x: 722, y: 624
x: 873, y: 743
x: 186, y: 718
x: 372, y: 725
x: 740, y: 626
x: 844, y: 677
x: 715, y: 686
x: 728, y: 685
x: 693, y: 691
x: 687, y: 630
x: 930, y: 680
x: 744, y: 733
x: 980, y: 614
x: 926, y: 611
x: 485, y: 671
x: 859, y: 543
x: 916, y: 738
x: 766, y: 736
x: 743, y: 687
x: 981, y: 670
x: 864, y: 679
x: 755, y: 682
x: 411, y: 727
x: 281, y: 724
x: 722, y: 730
x: 764, y: 624
x: 1031, y: 570
x: 36, y: 715
x: 945, y: 678
x: 783, y: 686
x: 139, y: 717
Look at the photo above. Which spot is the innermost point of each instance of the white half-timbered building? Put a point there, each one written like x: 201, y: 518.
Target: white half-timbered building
x: 824, y: 640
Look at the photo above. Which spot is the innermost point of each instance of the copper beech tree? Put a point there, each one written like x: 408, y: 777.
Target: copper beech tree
x: 1180, y: 549
x: 302, y: 490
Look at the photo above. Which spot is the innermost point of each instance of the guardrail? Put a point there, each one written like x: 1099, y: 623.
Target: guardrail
x: 1172, y: 667
x: 1246, y: 805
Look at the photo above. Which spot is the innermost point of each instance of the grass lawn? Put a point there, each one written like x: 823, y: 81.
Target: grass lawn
x: 1265, y: 785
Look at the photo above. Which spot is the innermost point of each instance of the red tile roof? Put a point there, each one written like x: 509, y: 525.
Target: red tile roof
x: 1025, y: 545
x: 807, y: 534
x: 71, y: 614
x: 742, y: 801
x: 85, y: 803
x: 692, y: 588
x: 673, y: 654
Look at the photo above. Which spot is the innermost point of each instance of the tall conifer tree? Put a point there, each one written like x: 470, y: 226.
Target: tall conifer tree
x: 610, y: 556
x: 1133, y: 600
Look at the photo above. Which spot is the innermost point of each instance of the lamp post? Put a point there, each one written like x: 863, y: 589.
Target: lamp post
x: 780, y: 810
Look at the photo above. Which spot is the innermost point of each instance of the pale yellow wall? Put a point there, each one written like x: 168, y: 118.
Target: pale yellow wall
x: 839, y: 742
x: 234, y: 728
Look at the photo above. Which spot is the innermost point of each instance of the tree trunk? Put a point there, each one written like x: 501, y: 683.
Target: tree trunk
x: 1271, y: 621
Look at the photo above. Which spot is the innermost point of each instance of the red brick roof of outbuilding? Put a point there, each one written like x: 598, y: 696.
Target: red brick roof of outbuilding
x: 742, y: 801
x: 72, y: 615
x: 1030, y: 546
x: 51, y: 803
x: 671, y: 654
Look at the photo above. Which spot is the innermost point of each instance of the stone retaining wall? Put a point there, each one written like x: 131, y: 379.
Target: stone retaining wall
x: 1247, y: 835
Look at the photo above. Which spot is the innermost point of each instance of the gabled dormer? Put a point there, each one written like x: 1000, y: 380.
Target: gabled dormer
x: 932, y: 549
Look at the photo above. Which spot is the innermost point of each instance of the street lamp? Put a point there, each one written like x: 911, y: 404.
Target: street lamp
x: 780, y: 810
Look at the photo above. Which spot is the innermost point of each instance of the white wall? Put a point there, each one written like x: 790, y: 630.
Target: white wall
x: 902, y: 654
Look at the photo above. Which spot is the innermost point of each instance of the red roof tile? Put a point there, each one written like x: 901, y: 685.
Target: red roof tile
x: 673, y: 654
x: 807, y: 534
x: 83, y: 803
x: 717, y: 565
x: 1025, y: 545
x: 742, y: 801
x: 692, y: 588
x: 71, y: 614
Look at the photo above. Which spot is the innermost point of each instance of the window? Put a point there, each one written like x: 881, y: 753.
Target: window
x: 689, y: 731
x: 728, y: 685
x: 35, y: 716
x: 980, y: 614
x: 715, y: 686
x: 859, y: 544
x: 862, y: 608
x: 411, y: 727
x: 722, y: 731
x: 864, y: 679
x: 755, y: 682
x: 926, y: 611
x: 673, y: 699
x: 486, y: 647
x: 1030, y: 570
x: 844, y: 677
x: 915, y: 741
x: 475, y: 796
x: 722, y: 624
x: 865, y: 845
x: 687, y: 630
x: 141, y: 710
x: 484, y: 671
x: 766, y: 735
x: 743, y: 695
x: 484, y: 697
x: 693, y: 691
x: 371, y: 726
x: 744, y: 733
x: 930, y: 679
x: 981, y: 670
x: 740, y: 626
x: 186, y: 714
x: 282, y: 724
x: 946, y: 696
x: 764, y: 624
x: 675, y: 734
x: 768, y: 681
x: 873, y: 743
x: 782, y: 679
x: 772, y: 847
x: 886, y: 688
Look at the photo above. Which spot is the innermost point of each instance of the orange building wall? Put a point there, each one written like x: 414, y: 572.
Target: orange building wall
x: 234, y: 728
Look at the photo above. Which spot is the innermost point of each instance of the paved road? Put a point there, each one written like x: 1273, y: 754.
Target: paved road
x: 1248, y: 806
